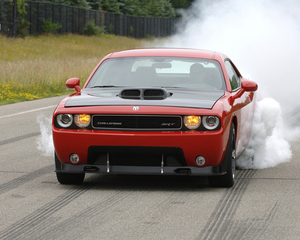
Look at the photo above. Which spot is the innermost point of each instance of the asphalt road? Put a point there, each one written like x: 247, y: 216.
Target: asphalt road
x: 263, y: 204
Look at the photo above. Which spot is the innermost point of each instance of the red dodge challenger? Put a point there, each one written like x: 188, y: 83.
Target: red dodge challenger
x: 155, y: 111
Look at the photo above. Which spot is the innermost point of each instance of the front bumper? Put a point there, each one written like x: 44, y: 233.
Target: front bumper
x: 145, y: 170
x: 211, y: 145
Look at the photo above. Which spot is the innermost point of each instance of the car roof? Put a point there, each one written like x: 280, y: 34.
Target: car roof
x: 168, y: 52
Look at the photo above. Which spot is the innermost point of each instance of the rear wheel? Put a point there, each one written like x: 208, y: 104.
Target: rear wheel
x: 70, y: 178
x: 227, y: 180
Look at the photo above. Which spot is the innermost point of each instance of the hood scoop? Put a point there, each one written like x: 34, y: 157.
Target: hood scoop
x: 146, y: 94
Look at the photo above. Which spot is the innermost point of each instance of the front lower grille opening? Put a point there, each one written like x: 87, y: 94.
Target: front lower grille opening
x: 129, y: 159
x: 136, y: 156
x: 135, y: 160
x: 100, y: 159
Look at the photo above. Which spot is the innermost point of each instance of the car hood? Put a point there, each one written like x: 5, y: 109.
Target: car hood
x: 176, y: 98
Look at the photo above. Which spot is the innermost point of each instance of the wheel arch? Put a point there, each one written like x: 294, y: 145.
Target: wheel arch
x: 224, y: 162
x: 235, y: 122
x: 58, y: 164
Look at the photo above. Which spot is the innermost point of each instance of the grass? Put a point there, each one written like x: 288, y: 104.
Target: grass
x: 38, y: 67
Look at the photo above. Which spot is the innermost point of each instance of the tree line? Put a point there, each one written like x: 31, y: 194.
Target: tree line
x: 143, y: 8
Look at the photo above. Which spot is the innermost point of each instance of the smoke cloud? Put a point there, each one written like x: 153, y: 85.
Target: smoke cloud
x: 262, y: 38
x: 45, y: 141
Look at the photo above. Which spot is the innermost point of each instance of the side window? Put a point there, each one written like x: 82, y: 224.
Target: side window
x: 235, y: 81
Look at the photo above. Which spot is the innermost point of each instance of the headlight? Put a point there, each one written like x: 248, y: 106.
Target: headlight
x: 192, y: 122
x: 210, y: 122
x: 64, y: 120
x: 82, y: 120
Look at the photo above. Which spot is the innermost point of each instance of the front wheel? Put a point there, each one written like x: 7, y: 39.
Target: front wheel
x: 227, y: 180
x: 70, y: 178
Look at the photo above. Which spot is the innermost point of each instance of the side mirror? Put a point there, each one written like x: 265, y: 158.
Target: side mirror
x: 246, y: 86
x: 249, y: 86
x: 73, y: 83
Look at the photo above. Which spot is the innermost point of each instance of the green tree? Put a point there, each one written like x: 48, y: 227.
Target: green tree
x: 153, y: 8
x: 167, y: 9
x: 94, y: 4
x: 79, y: 3
x: 111, y: 6
x: 127, y: 7
x: 76, y: 3
x: 139, y: 8
x: 181, y: 3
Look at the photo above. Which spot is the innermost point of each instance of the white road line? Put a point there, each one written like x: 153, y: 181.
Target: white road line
x: 29, y: 111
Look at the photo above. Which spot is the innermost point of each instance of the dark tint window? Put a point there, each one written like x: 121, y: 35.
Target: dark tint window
x: 233, y: 77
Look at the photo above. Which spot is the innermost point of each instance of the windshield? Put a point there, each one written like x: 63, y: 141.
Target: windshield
x: 168, y: 72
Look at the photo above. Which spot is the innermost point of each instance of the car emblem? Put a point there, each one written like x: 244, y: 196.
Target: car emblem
x: 135, y: 108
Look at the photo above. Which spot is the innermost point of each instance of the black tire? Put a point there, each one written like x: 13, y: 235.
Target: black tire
x: 227, y: 180
x: 70, y: 178
x: 67, y: 178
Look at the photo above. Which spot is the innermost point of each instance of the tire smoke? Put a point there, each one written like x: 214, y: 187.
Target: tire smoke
x: 268, y: 146
x: 45, y: 141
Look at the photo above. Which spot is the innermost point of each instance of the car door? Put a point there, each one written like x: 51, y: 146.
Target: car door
x: 243, y: 107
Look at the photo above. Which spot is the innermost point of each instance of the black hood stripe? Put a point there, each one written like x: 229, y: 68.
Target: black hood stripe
x: 178, y: 98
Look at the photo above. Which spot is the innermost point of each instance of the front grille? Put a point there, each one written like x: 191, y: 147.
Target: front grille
x: 137, y: 122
